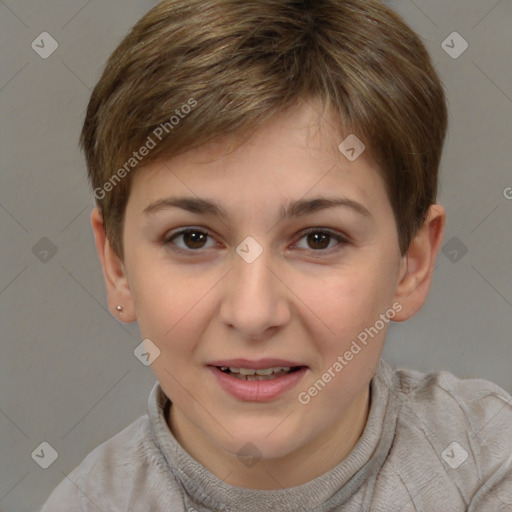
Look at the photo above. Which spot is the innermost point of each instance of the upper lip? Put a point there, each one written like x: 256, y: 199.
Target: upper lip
x: 255, y: 364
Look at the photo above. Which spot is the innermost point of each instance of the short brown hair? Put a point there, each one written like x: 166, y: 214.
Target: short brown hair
x: 235, y: 65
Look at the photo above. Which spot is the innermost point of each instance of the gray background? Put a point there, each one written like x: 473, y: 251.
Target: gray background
x: 68, y: 375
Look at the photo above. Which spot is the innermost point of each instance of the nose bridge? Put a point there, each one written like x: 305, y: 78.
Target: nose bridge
x: 254, y: 299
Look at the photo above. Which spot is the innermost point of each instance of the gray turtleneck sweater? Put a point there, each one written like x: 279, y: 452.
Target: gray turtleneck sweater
x: 432, y: 443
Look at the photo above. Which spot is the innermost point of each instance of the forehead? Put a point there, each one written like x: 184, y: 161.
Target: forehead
x: 295, y: 155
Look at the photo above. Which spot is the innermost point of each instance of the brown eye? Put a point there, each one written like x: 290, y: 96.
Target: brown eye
x: 193, y: 239
x: 319, y: 240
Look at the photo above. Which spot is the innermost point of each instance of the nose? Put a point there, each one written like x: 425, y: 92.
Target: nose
x: 256, y: 298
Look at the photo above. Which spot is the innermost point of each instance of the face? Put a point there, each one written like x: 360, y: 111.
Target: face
x: 250, y: 288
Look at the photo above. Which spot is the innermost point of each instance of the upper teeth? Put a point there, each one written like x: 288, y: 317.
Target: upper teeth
x: 263, y: 371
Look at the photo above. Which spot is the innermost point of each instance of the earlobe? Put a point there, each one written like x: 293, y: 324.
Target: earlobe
x: 119, y: 295
x: 418, y: 263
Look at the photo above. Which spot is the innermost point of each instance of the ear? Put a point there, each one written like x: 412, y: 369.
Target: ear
x: 417, y: 265
x: 114, y: 272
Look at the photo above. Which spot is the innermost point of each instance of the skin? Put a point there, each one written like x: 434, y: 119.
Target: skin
x: 303, y: 298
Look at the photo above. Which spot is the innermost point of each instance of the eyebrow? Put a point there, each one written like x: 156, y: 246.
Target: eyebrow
x: 297, y: 208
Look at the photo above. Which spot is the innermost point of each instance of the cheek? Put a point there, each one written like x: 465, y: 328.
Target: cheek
x: 172, y: 307
x: 347, y: 302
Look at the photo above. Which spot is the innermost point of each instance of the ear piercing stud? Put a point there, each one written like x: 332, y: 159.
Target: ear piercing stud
x: 119, y: 308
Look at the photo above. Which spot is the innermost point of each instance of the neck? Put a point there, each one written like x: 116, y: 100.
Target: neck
x: 323, y: 453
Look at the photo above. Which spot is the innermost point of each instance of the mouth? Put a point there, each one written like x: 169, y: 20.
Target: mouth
x: 260, y: 374
x: 257, y: 381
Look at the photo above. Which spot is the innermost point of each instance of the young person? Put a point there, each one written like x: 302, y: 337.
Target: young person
x: 265, y: 175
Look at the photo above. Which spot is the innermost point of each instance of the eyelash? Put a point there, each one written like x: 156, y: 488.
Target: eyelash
x: 320, y: 252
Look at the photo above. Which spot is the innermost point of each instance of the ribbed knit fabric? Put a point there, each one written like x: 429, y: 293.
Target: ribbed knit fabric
x: 432, y: 443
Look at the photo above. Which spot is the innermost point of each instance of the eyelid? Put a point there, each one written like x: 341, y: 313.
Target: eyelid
x: 342, y: 240
x: 326, y: 231
x: 167, y: 240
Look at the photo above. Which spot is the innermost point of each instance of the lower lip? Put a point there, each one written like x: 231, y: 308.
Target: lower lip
x: 257, y: 390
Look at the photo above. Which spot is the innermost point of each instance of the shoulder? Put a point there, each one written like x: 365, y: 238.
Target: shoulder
x: 461, y: 427
x: 481, y: 408
x: 115, y: 474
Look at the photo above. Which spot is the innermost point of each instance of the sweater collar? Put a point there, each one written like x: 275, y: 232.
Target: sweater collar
x: 323, y: 493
